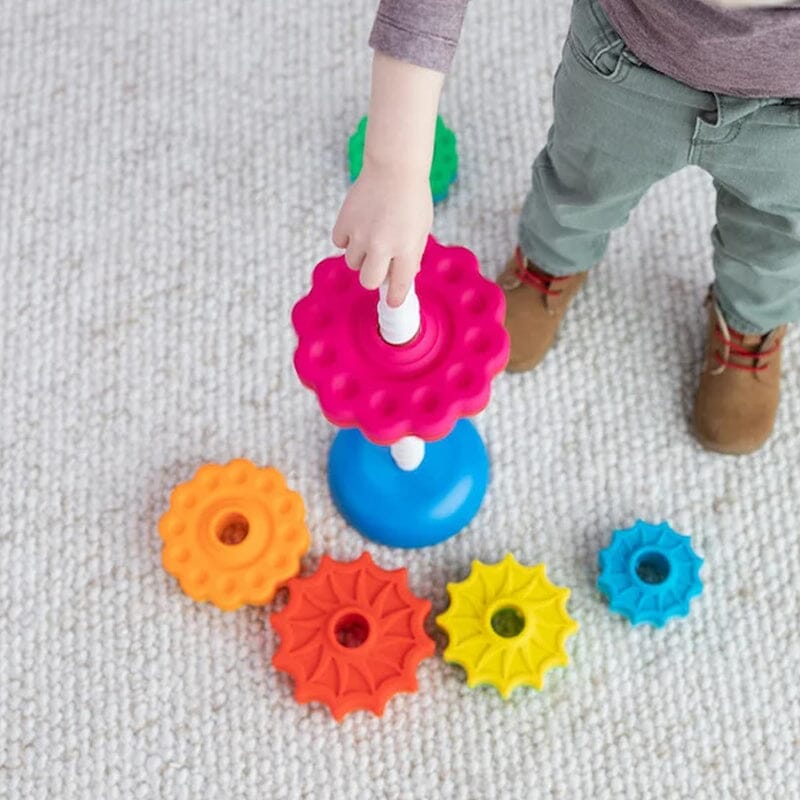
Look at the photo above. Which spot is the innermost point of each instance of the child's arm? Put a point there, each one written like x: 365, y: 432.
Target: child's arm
x: 386, y: 217
x: 388, y: 212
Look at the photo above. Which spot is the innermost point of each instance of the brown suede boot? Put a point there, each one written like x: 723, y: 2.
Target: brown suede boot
x: 535, y: 305
x: 737, y: 400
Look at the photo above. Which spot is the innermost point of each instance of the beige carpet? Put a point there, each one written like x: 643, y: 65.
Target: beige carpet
x: 169, y: 174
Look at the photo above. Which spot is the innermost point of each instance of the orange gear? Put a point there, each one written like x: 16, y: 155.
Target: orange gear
x: 234, y: 534
x: 352, y: 636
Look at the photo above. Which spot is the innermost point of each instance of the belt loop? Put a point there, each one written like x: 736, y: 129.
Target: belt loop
x: 713, y: 116
x: 721, y: 109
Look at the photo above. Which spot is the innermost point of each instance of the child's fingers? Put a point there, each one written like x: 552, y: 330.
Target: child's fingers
x: 401, y: 276
x: 355, y: 256
x: 339, y: 235
x: 397, y: 292
x: 399, y: 284
x: 374, y: 269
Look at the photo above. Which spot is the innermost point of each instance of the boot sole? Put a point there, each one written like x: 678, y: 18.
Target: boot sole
x: 517, y: 369
x: 527, y: 366
x: 716, y: 447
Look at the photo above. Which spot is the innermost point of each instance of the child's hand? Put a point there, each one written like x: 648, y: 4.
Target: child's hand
x: 383, y: 226
x: 387, y: 215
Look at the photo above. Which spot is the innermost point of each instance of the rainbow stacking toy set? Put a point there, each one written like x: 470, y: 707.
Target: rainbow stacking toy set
x: 406, y: 470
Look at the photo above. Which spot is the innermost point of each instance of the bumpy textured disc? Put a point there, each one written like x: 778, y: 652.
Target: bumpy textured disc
x: 420, y: 388
x: 444, y: 168
x: 352, y: 636
x: 234, y: 534
x: 507, y: 625
x: 649, y: 573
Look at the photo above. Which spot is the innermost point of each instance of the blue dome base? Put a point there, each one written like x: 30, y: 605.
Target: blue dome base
x: 409, y: 509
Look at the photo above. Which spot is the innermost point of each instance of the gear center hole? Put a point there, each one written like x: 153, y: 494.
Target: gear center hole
x: 652, y: 568
x: 508, y: 622
x: 233, y: 529
x: 351, y: 631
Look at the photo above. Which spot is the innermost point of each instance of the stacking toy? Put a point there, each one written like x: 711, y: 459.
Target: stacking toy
x: 444, y: 167
x: 352, y: 636
x: 507, y: 625
x: 406, y: 471
x: 649, y: 573
x: 234, y: 534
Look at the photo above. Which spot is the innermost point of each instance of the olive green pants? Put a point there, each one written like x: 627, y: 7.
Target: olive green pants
x: 620, y: 126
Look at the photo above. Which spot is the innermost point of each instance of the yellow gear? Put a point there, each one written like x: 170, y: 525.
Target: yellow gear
x: 507, y: 624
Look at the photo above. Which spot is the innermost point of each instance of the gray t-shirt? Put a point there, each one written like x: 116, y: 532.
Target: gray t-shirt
x: 751, y: 52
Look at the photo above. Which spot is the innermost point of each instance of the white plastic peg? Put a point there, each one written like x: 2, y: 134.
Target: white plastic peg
x: 399, y: 326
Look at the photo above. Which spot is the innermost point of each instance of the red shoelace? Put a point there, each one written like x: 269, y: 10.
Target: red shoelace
x: 735, y: 348
x: 536, y: 277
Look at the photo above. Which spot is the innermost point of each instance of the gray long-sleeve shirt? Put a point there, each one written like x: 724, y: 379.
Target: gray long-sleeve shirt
x: 750, y: 52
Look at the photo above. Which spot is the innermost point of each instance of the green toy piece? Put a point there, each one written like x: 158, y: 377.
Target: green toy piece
x: 444, y: 169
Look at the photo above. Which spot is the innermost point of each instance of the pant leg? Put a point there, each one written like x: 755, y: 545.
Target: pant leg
x: 756, y: 240
x: 618, y: 127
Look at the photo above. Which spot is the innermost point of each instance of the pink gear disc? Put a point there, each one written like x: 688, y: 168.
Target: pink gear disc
x: 418, y: 389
